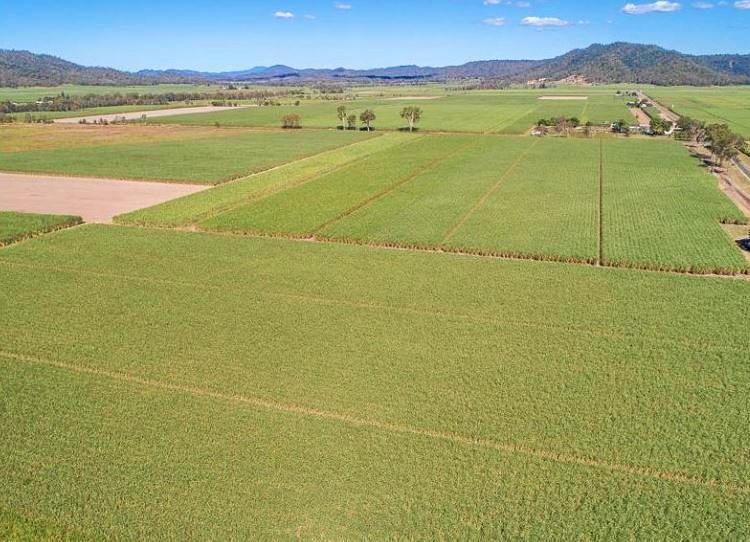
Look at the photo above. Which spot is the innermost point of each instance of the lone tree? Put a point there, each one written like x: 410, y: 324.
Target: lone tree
x: 351, y: 122
x: 412, y: 114
x: 724, y: 143
x: 367, y: 117
x: 341, y: 114
x: 290, y: 121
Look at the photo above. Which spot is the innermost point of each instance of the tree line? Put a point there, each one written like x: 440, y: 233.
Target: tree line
x: 66, y: 102
x: 723, y: 143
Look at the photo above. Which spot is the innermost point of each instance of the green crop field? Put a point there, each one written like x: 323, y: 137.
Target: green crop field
x: 188, y: 211
x: 161, y: 384
x: 460, y: 333
x: 505, y: 196
x: 511, y: 111
x: 722, y: 105
x: 659, y: 206
x: 208, y: 160
x: 18, y: 226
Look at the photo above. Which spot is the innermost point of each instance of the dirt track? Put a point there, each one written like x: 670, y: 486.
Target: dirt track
x: 640, y: 115
x: 94, y: 200
x: 136, y: 115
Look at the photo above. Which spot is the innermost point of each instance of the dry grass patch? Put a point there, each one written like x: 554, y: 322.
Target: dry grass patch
x: 27, y: 137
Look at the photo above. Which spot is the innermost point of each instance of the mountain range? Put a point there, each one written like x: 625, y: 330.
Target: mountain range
x: 611, y: 63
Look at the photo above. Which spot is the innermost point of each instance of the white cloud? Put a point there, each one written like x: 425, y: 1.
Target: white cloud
x: 341, y: 5
x: 742, y: 4
x: 543, y: 22
x: 284, y: 15
x: 310, y: 17
x: 703, y: 5
x: 494, y: 21
x: 661, y: 6
x: 518, y: 4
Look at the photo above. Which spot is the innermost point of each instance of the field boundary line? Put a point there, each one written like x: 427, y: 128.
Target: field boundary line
x: 259, y: 196
x: 453, y: 229
x: 389, y: 427
x: 398, y: 184
x: 742, y: 274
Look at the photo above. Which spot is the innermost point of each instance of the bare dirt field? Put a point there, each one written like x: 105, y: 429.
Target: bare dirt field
x: 94, y: 200
x: 135, y: 115
x: 563, y: 97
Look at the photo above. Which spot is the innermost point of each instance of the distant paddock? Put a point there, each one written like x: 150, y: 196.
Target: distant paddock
x: 563, y: 97
x: 396, y: 98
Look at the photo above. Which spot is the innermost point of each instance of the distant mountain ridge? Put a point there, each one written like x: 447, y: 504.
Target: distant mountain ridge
x: 611, y: 63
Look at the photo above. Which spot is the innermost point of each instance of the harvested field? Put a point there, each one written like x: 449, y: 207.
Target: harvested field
x: 138, y: 115
x: 223, y: 387
x: 95, y: 200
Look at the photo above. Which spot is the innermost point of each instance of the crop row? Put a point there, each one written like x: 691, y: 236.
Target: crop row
x: 557, y: 199
x: 196, y: 207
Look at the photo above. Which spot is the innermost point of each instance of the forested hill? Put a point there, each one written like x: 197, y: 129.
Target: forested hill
x: 22, y: 68
x: 612, y: 63
x: 636, y: 63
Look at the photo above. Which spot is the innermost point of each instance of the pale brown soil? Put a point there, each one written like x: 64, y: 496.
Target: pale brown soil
x: 136, y: 115
x: 563, y: 98
x: 94, y: 200
x: 640, y: 115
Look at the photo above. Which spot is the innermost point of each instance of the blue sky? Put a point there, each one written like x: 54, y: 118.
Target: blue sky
x: 235, y: 34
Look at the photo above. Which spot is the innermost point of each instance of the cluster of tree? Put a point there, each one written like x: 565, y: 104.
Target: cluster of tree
x: 291, y: 121
x: 659, y: 126
x: 561, y: 125
x: 67, y: 102
x: 723, y: 143
x: 349, y: 121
